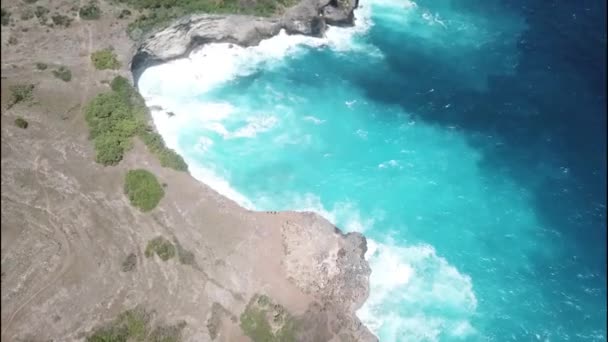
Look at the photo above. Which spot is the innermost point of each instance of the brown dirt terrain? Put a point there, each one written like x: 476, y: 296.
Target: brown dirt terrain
x: 67, y: 227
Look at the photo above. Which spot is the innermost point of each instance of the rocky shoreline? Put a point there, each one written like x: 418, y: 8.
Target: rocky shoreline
x: 308, y: 17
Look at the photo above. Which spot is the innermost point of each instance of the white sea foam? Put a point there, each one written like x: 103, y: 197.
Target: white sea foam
x: 214, y: 64
x: 313, y: 119
x: 344, y: 213
x: 389, y: 164
x: 408, y: 284
x: 256, y: 125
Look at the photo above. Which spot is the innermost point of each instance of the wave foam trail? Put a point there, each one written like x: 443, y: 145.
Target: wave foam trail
x: 416, y: 295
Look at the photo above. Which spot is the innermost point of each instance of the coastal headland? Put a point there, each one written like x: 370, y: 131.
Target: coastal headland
x: 81, y: 262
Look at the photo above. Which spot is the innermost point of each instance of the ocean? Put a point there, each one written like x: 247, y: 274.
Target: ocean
x: 465, y: 139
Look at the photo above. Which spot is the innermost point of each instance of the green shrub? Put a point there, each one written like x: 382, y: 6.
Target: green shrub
x: 63, y: 73
x: 130, y: 263
x: 120, y: 115
x: 29, y: 1
x: 124, y: 14
x: 130, y: 325
x: 41, y: 13
x: 158, y: 13
x: 21, y: 122
x: 167, y: 157
x: 256, y: 321
x: 135, y: 325
x: 109, y: 148
x: 5, y: 17
x: 122, y: 86
x: 90, y: 12
x: 111, y: 126
x: 105, y: 59
x: 161, y: 247
x: 41, y: 66
x: 61, y: 20
x: 20, y: 93
x: 143, y: 189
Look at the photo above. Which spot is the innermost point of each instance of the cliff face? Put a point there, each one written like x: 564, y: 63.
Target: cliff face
x: 308, y: 17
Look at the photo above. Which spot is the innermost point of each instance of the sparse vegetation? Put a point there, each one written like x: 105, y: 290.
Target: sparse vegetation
x: 115, y: 117
x: 21, y: 123
x: 29, y: 1
x: 20, y: 93
x: 160, y: 12
x: 105, y: 59
x: 135, y: 325
x: 5, y: 17
x: 41, y: 66
x: 125, y: 13
x: 12, y: 40
x: 111, y: 126
x: 130, y: 263
x: 143, y: 189
x: 61, y: 20
x: 161, y: 247
x: 264, y: 321
x: 167, y: 157
x: 121, y: 85
x: 63, y: 73
x: 90, y: 12
x: 41, y: 13
x: 184, y: 256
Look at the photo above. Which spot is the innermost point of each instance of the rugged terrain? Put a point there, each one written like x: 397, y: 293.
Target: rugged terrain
x: 73, y: 246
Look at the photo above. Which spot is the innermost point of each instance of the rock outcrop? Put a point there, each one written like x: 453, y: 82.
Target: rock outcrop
x: 308, y: 17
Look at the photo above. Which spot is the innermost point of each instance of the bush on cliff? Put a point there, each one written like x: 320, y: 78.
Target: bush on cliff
x: 136, y: 325
x: 6, y: 17
x: 161, y: 12
x: 89, y: 12
x: 61, y: 20
x: 143, y: 189
x: 20, y: 93
x: 111, y: 126
x: 105, y: 59
x: 266, y: 321
x: 21, y: 123
x: 115, y: 117
x: 63, y: 73
x: 167, y: 157
x: 161, y: 247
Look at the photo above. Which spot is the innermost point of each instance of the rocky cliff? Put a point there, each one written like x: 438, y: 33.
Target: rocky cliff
x: 308, y: 17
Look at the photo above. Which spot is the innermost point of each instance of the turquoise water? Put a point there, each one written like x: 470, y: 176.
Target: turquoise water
x: 480, y: 228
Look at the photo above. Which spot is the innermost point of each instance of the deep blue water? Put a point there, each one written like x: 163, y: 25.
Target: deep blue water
x: 466, y: 139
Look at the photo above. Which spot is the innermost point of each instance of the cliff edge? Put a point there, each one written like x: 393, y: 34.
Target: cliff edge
x: 75, y: 253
